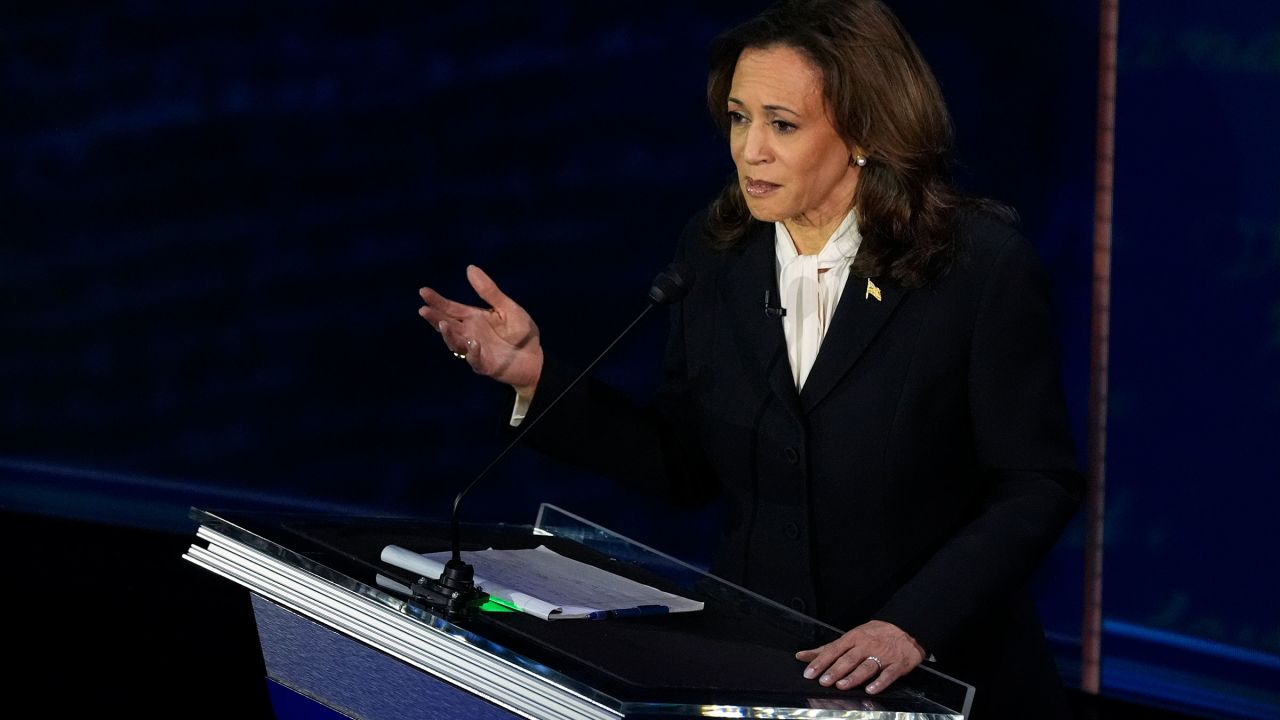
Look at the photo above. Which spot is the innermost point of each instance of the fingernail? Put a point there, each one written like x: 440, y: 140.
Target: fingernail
x: 809, y: 673
x: 825, y: 680
x: 843, y: 684
x: 441, y: 326
x: 873, y: 688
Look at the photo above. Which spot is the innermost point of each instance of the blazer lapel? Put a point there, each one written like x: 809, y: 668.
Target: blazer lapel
x: 759, y: 337
x: 858, y: 318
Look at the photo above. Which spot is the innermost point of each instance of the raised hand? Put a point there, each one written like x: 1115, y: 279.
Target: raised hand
x: 500, y: 341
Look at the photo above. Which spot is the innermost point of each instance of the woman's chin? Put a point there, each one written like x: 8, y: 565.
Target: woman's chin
x: 762, y: 211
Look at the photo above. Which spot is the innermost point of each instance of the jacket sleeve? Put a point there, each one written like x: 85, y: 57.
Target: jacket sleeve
x: 1030, y: 483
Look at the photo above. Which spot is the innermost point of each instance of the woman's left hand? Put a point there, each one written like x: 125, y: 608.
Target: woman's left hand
x: 852, y: 659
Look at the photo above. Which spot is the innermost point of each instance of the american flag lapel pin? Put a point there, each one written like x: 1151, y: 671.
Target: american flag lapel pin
x: 872, y: 291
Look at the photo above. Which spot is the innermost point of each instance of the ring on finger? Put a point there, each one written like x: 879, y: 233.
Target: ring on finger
x: 876, y: 660
x: 471, y: 345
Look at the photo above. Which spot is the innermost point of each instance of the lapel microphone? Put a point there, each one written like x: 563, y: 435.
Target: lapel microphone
x: 771, y: 308
x: 454, y: 592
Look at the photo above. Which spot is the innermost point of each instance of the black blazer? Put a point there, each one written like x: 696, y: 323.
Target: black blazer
x: 920, y: 476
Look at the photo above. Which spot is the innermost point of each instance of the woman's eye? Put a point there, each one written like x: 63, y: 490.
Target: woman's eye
x: 736, y: 118
x: 782, y: 126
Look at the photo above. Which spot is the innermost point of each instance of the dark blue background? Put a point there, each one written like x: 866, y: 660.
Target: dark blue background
x: 215, y: 216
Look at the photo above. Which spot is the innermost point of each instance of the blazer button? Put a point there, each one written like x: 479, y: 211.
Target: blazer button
x: 798, y: 604
x: 792, y: 530
x: 793, y: 456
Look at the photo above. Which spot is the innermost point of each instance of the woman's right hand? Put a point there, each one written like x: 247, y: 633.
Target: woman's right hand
x: 500, y: 342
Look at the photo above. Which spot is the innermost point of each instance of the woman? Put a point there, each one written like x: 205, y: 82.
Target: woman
x: 889, y: 437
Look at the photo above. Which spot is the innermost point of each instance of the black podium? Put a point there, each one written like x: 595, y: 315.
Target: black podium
x: 338, y: 631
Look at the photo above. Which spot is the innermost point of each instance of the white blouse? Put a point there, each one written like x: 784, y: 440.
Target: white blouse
x: 810, y: 286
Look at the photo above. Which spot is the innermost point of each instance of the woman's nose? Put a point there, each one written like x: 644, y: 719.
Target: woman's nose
x: 756, y: 147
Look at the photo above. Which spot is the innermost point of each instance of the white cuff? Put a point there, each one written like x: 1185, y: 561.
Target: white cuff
x: 520, y: 409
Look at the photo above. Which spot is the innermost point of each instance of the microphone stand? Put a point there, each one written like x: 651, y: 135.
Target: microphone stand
x: 455, y: 593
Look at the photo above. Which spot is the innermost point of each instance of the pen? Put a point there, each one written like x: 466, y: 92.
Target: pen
x: 636, y: 611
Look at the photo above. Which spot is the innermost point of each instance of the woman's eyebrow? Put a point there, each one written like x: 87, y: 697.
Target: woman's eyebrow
x: 774, y: 108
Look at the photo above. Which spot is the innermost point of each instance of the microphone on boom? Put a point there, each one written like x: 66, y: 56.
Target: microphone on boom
x: 455, y: 591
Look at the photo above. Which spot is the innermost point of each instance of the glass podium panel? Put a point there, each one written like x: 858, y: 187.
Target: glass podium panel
x: 734, y: 658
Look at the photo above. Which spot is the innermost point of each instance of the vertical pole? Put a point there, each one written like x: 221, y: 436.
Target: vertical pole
x: 1100, y: 335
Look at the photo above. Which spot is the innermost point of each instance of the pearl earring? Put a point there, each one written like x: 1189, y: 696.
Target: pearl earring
x: 860, y: 160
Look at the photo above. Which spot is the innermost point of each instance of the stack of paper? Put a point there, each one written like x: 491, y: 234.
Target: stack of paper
x: 547, y: 584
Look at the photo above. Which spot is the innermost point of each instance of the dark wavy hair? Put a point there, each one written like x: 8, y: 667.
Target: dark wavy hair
x: 883, y: 98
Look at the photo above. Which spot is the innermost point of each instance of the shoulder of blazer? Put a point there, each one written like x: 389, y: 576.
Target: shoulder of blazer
x: 985, y: 243
x: 981, y: 238
x: 696, y: 246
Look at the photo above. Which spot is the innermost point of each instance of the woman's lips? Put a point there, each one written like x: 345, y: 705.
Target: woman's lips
x: 760, y: 188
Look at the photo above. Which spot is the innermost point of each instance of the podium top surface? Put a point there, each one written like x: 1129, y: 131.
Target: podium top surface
x: 735, y: 658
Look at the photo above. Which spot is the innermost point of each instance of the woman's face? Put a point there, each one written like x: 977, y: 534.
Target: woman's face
x: 792, y: 165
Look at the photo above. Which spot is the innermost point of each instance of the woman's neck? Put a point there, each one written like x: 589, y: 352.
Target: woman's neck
x: 811, y: 237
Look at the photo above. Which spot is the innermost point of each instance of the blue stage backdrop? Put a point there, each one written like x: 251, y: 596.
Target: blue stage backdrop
x: 1195, y: 358
x: 215, y: 217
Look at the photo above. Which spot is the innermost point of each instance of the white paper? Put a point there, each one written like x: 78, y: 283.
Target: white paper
x: 545, y: 583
